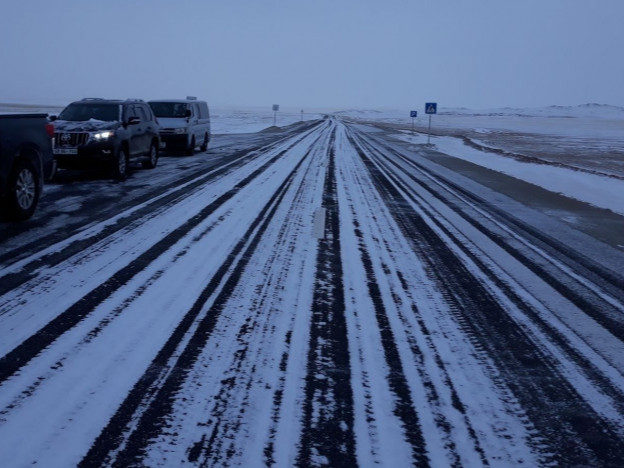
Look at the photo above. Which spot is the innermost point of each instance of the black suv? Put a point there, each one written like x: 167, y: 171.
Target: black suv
x: 105, y: 132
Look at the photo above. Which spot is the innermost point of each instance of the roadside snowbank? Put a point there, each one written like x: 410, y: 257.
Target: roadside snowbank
x: 600, y: 191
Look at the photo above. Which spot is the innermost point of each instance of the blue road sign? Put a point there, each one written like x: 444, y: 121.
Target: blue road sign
x: 413, y: 113
x: 431, y: 108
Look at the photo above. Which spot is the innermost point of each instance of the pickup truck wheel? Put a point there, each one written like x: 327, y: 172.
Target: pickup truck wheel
x: 204, y: 145
x: 191, y: 149
x: 119, y: 168
x: 23, y: 192
x: 153, y: 158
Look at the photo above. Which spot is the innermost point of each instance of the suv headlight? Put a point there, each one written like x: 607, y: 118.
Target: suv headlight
x: 179, y: 131
x: 105, y: 135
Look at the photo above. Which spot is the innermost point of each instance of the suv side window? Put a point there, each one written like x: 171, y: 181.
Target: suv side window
x: 129, y: 112
x: 147, y: 111
x: 141, y: 113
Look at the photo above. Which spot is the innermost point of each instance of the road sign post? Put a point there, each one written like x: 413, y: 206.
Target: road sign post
x: 430, y: 108
x: 275, y: 109
x: 413, y: 114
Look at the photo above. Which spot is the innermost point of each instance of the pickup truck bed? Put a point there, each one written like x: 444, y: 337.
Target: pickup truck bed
x: 25, y: 161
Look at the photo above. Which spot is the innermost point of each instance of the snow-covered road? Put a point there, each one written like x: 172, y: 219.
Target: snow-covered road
x: 316, y: 297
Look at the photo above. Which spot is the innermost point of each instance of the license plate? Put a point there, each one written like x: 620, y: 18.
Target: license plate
x: 65, y: 150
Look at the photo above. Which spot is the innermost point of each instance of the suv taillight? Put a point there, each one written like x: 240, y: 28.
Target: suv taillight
x: 49, y: 129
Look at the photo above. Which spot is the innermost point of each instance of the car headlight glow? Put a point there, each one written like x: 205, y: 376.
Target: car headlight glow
x: 105, y: 135
x: 179, y: 131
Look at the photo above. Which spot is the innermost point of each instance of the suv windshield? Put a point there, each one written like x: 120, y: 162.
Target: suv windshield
x: 78, y: 112
x: 168, y: 109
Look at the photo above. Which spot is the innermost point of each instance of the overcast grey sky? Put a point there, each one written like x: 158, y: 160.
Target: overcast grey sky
x: 316, y: 53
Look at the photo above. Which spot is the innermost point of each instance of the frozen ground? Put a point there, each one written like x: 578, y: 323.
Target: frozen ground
x: 589, y: 120
x: 577, y: 151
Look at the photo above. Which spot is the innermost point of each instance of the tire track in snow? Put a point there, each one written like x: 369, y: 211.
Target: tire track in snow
x: 327, y: 437
x: 404, y: 405
x: 55, y: 248
x: 595, y: 289
x: 450, y: 438
x: 603, y: 305
x: 571, y: 431
x: 143, y: 414
x: 358, y: 218
x: 232, y: 432
x: 605, y: 309
x: 399, y: 290
x: 12, y: 361
x: 104, y: 208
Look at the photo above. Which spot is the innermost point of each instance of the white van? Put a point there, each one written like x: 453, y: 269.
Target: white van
x: 184, y: 123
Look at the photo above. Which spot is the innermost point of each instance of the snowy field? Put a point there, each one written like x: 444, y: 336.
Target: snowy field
x: 583, y: 145
x: 588, y: 120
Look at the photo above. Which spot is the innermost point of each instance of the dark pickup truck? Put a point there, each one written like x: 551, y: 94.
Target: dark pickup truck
x: 26, y: 159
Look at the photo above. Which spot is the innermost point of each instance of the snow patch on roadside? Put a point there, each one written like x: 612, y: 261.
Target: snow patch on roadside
x: 600, y: 191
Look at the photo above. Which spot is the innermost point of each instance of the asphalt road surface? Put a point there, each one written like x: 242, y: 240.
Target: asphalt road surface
x: 324, y: 295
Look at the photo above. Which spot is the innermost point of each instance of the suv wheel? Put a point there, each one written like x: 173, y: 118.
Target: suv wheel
x: 153, y: 158
x: 204, y: 145
x: 23, y: 192
x: 191, y: 149
x: 120, y: 165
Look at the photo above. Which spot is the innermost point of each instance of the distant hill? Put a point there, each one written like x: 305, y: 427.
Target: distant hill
x: 354, y: 112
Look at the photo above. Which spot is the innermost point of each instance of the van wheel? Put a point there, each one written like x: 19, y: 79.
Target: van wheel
x: 119, y: 169
x: 191, y: 149
x: 23, y: 193
x: 153, y: 158
x: 204, y: 146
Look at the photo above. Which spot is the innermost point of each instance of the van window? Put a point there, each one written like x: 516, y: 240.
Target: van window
x: 195, y: 111
x: 203, y: 109
x: 169, y: 109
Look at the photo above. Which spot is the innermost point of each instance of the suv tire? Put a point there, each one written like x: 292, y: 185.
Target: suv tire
x: 153, y: 158
x: 23, y: 193
x: 119, y: 167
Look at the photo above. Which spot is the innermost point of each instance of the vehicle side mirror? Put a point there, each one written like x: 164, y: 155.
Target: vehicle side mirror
x: 52, y: 118
x: 134, y: 120
x: 187, y: 113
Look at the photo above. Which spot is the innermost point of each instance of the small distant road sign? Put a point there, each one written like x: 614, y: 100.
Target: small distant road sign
x: 413, y: 114
x: 275, y: 109
x: 431, y: 108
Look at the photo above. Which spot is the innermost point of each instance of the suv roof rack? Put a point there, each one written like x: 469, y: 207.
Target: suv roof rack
x: 93, y: 99
x: 191, y: 98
